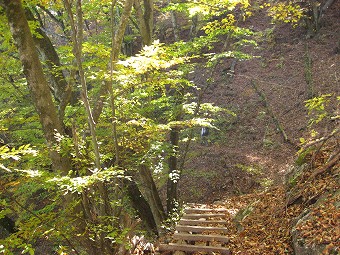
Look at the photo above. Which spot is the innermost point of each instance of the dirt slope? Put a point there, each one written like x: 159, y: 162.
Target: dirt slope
x: 252, y: 141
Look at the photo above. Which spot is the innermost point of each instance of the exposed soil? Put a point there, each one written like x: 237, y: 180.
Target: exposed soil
x: 252, y: 140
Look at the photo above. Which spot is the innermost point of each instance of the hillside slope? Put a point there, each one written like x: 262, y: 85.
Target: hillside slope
x: 279, y: 202
x: 249, y: 151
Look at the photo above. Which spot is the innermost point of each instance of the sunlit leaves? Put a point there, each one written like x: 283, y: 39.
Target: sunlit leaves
x: 286, y: 12
x: 214, y: 58
x: 96, y: 56
x: 174, y: 176
x: 152, y: 57
x: 218, y: 26
x: 68, y: 184
x: 15, y: 154
x: 207, y: 8
x: 316, y: 108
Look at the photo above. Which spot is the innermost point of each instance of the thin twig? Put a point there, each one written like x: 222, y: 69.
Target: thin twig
x: 270, y: 112
x: 325, y: 138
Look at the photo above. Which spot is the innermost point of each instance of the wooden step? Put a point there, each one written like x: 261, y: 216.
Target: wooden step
x: 204, y: 238
x: 200, y: 229
x: 206, y: 215
x: 205, y: 210
x: 200, y: 222
x: 193, y: 248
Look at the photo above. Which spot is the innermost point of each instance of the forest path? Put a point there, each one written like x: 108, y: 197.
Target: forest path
x: 202, y: 228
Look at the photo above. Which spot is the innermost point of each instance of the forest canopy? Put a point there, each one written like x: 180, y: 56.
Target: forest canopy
x: 99, y: 109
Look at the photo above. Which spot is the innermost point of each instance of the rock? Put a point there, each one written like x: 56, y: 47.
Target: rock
x: 293, y: 175
x: 299, y: 243
x: 242, y: 214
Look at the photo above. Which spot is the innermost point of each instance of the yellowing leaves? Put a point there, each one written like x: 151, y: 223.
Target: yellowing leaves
x: 286, y: 12
x: 226, y: 23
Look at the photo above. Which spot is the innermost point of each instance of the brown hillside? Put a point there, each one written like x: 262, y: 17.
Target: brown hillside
x: 252, y: 141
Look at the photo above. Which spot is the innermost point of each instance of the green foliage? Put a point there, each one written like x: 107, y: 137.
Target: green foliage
x: 18, y: 244
x: 9, y: 157
x: 320, y: 114
x: 151, y: 59
x: 207, y: 8
x: 219, y: 23
x: 174, y: 216
x: 152, y: 94
x: 302, y: 156
x: 6, y: 153
x: 317, y: 108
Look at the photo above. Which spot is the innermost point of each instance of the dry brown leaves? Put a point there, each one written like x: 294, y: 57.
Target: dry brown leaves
x: 323, y: 227
x: 267, y: 230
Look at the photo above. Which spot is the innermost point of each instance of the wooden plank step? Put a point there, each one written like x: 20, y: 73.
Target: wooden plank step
x: 204, y: 210
x: 192, y: 248
x: 206, y: 215
x: 201, y: 222
x: 204, y: 238
x: 200, y: 229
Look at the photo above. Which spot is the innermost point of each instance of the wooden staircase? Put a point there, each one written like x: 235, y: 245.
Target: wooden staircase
x: 201, y: 229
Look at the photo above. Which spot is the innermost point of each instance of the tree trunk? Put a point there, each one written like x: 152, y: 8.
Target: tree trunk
x: 61, y: 90
x: 145, y: 20
x: 37, y: 83
x: 152, y: 196
x: 119, y: 33
x: 174, y: 24
x: 77, y: 38
x: 141, y: 205
x: 172, y: 182
x: 174, y: 173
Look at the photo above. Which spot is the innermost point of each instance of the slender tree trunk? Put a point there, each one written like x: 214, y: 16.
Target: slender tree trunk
x: 174, y: 24
x: 117, y: 39
x: 39, y: 89
x: 172, y: 183
x: 77, y: 38
x: 174, y: 173
x: 194, y: 27
x: 119, y: 33
x: 145, y: 20
x: 309, y: 73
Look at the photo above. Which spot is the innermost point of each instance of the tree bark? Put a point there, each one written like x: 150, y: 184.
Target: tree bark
x: 36, y: 80
x: 172, y: 184
x: 119, y: 34
x: 77, y: 39
x: 174, y: 173
x: 141, y: 205
x: 152, y: 196
x: 174, y: 24
x: 145, y: 20
x: 61, y: 90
